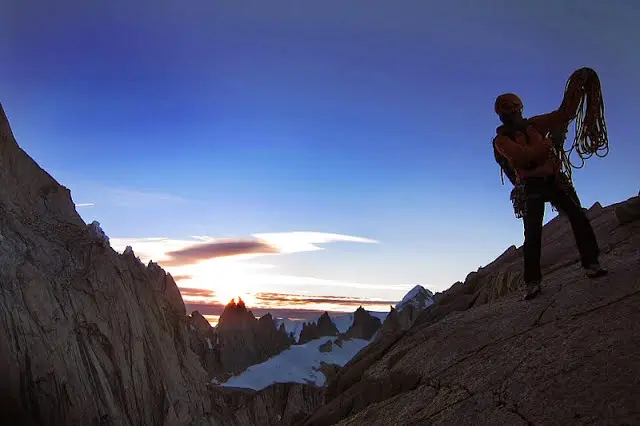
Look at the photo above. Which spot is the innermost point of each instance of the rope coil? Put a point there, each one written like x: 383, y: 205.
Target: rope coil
x: 590, y: 127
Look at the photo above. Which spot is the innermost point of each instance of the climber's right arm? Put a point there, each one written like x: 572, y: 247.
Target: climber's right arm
x: 568, y: 110
x: 522, y: 156
x: 555, y: 120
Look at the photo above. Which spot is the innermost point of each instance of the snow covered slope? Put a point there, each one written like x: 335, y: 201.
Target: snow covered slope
x: 299, y: 363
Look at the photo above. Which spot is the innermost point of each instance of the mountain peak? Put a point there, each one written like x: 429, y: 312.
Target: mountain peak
x: 236, y: 315
x: 364, y: 325
x: 418, y: 297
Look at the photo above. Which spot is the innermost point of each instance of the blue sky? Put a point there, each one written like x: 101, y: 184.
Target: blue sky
x: 372, y: 119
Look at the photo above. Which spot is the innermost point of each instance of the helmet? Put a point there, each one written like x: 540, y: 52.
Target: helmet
x: 508, y: 103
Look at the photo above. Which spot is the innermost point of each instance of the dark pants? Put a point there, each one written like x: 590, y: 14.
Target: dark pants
x: 538, y: 191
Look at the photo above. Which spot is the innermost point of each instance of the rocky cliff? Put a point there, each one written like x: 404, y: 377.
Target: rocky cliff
x: 203, y: 341
x: 89, y: 336
x: 400, y: 321
x: 280, y: 404
x: 483, y: 356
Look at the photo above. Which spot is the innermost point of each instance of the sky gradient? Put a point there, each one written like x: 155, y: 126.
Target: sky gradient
x: 352, y: 138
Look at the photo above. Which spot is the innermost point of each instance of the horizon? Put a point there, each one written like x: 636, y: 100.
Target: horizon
x: 213, y: 311
x: 306, y: 157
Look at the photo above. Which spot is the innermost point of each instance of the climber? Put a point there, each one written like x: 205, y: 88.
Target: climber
x: 524, y: 144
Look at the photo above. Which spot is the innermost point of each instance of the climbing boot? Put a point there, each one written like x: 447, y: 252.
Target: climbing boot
x: 595, y: 270
x: 533, y: 288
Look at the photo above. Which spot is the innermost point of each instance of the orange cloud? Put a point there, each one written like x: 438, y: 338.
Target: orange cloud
x: 187, y: 292
x: 177, y: 278
x: 220, y: 248
x: 294, y: 300
x: 281, y: 302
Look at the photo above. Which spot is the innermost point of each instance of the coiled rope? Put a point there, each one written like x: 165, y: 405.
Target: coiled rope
x: 590, y: 127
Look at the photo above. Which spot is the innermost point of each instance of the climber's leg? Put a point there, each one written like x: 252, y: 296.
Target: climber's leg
x: 582, y: 231
x: 532, y: 247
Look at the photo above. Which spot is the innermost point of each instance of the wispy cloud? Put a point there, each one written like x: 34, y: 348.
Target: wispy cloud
x: 131, y: 197
x: 106, y: 195
x: 218, y: 270
x: 172, y: 251
x: 85, y: 204
x: 154, y: 248
x: 217, y: 248
x: 295, y: 242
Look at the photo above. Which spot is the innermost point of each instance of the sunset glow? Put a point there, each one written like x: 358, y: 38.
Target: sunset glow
x: 311, y: 148
x: 213, y: 319
x: 212, y: 282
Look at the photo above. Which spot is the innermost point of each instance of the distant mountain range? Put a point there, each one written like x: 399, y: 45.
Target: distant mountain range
x: 324, y: 345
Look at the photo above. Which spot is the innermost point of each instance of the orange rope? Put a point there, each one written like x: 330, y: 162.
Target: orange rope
x: 590, y: 128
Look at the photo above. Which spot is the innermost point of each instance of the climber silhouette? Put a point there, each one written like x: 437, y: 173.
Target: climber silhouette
x: 527, y: 149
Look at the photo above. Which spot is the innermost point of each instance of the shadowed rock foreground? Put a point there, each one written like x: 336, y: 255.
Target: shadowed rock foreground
x: 482, y: 355
x: 93, y: 337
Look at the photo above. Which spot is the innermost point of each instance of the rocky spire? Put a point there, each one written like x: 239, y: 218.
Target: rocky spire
x: 315, y: 330
x: 364, y: 325
x: 236, y: 316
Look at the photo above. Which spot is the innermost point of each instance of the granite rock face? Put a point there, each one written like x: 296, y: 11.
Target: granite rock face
x: 628, y: 212
x: 203, y: 341
x: 89, y: 336
x: 280, y: 404
x: 400, y: 321
x: 481, y: 355
x: 402, y: 317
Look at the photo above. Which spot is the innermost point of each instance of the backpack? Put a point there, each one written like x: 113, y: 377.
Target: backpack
x: 510, y: 132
